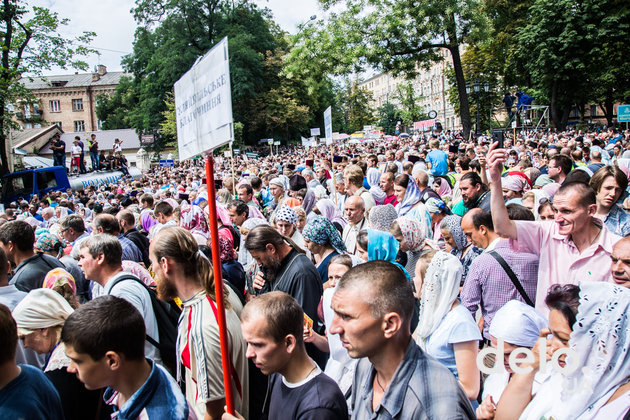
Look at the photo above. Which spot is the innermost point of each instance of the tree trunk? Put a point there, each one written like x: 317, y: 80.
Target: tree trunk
x: 609, y: 107
x: 464, y: 107
x: 553, y: 107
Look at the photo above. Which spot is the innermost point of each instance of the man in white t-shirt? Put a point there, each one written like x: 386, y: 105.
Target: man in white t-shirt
x: 76, y: 155
x: 182, y: 270
x: 100, y: 259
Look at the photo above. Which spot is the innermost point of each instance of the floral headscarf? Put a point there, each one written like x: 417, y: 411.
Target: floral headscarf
x: 226, y: 246
x: 58, y: 277
x: 414, y: 233
x: 321, y: 231
x: 193, y: 219
x: 453, y: 224
x: 48, y: 242
x: 382, y: 246
x: 382, y: 217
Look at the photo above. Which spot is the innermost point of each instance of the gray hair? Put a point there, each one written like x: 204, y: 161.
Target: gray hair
x: 105, y: 244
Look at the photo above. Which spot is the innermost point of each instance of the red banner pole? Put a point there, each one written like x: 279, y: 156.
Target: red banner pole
x: 218, y: 283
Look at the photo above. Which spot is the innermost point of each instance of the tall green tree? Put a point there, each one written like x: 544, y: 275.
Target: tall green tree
x: 409, y: 111
x: 387, y: 115
x: 173, y: 34
x: 31, y: 43
x: 399, y: 37
x: 354, y: 104
x: 575, y: 52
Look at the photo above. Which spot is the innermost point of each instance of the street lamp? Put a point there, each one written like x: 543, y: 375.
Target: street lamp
x: 476, y: 88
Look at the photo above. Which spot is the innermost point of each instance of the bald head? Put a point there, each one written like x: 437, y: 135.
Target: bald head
x: 355, y: 209
x: 422, y: 178
x: 620, y: 257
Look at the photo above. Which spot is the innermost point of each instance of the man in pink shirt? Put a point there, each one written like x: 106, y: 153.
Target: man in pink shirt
x: 575, y: 247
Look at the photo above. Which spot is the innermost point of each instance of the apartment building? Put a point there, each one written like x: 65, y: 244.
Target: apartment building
x: 431, y: 85
x: 68, y: 101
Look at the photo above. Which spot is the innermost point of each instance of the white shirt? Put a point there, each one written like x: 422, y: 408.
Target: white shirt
x: 136, y: 294
x: 350, y: 233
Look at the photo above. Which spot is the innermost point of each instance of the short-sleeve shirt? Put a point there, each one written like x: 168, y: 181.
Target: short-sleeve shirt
x: 316, y: 398
x: 199, y: 352
x: 439, y: 162
x: 136, y: 294
x: 30, y: 396
x: 560, y: 260
x: 457, y: 326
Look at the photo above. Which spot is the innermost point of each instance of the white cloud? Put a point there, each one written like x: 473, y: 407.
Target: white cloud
x: 110, y: 19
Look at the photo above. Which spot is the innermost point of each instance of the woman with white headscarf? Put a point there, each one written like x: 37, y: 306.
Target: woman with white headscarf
x: 373, y: 180
x: 40, y: 317
x: 590, y: 324
x: 515, y: 325
x: 446, y: 329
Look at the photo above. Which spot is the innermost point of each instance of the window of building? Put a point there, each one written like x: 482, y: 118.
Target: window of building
x: 28, y: 125
x: 57, y: 123
x: 55, y: 106
x: 77, y: 104
x: 27, y: 111
x: 79, y: 126
x: 99, y: 124
x: 593, y: 110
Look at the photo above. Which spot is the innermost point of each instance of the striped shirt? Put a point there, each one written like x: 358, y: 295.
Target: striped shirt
x: 488, y: 285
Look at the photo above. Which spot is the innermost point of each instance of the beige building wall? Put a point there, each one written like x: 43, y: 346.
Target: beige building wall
x: 432, y: 85
x: 68, y: 100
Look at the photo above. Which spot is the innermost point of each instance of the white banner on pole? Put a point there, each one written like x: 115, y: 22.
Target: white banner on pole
x: 328, y: 125
x: 203, y: 104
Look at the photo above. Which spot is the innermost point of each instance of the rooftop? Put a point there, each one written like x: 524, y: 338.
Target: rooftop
x: 75, y: 80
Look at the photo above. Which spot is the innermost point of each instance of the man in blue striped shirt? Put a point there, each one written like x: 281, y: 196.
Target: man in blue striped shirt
x: 104, y: 340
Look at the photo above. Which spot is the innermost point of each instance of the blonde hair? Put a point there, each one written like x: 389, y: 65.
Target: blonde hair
x: 178, y: 244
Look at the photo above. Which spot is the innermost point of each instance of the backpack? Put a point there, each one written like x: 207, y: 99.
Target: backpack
x: 167, y: 317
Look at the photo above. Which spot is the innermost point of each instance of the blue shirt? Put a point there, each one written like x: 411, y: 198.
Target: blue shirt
x: 618, y: 221
x: 439, y: 162
x: 457, y: 326
x: 421, y: 388
x: 30, y: 396
x: 158, y: 398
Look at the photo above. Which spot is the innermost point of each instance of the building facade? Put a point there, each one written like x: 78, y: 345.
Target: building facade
x: 430, y: 85
x: 68, y: 101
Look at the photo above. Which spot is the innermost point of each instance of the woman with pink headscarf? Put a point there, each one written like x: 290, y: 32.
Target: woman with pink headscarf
x: 193, y: 219
x: 514, y: 185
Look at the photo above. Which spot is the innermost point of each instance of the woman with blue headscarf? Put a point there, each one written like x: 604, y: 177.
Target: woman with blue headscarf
x: 324, y: 241
x: 373, y: 245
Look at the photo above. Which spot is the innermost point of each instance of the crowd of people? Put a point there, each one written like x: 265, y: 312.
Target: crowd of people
x: 424, y: 277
